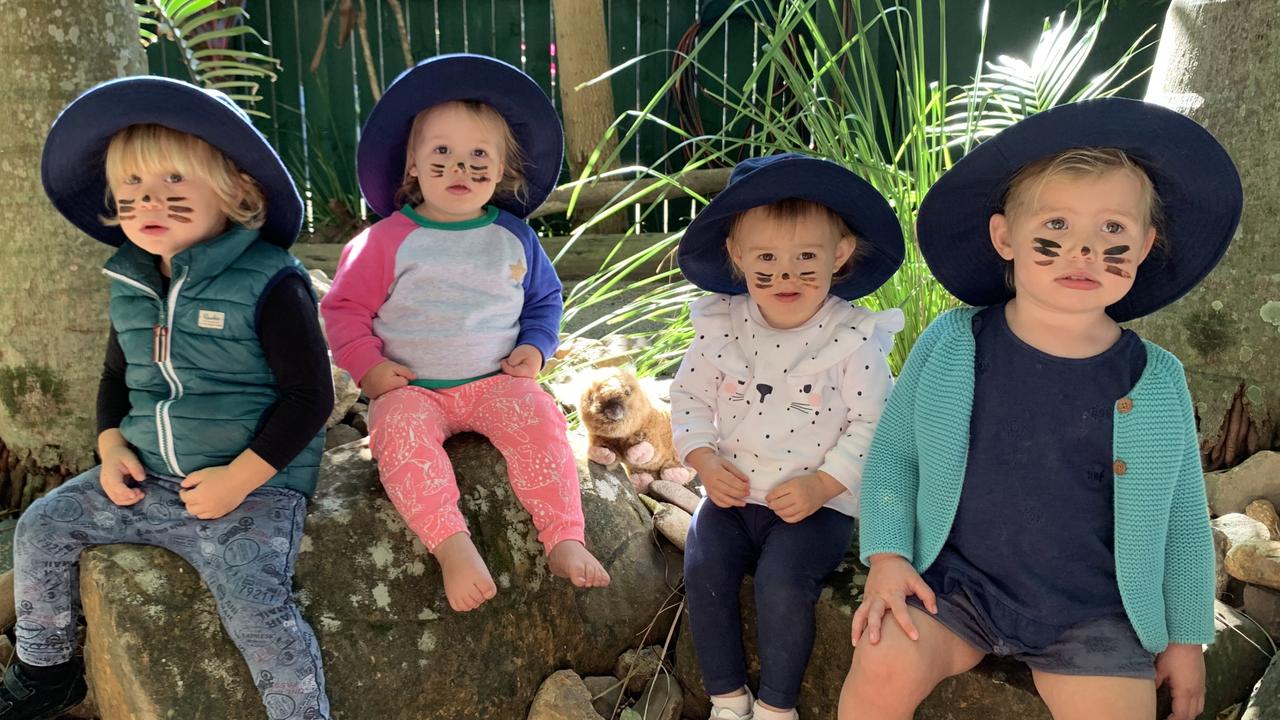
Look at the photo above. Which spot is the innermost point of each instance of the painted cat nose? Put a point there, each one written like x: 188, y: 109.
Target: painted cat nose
x: 786, y: 276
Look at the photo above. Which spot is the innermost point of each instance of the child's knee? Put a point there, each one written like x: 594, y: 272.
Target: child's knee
x: 889, y: 675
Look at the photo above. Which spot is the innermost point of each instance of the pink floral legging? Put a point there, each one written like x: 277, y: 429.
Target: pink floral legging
x: 408, y: 427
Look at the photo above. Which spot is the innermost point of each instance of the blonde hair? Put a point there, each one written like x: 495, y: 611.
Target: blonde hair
x: 156, y: 148
x: 795, y: 209
x: 512, y: 184
x: 1078, y: 162
x: 1081, y: 162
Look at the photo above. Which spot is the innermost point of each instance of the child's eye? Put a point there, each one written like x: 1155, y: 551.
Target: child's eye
x: 173, y: 178
x: 440, y: 150
x: 808, y: 255
x: 132, y: 180
x: 1056, y: 224
x: 1113, y: 228
x: 480, y: 153
x: 765, y: 257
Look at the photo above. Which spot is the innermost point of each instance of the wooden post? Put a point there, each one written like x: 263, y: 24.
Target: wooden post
x: 582, y: 46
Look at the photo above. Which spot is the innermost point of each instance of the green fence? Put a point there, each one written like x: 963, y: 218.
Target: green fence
x: 315, y: 117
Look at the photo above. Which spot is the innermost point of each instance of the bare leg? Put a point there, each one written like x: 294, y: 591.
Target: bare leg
x: 890, y: 678
x: 1095, y: 697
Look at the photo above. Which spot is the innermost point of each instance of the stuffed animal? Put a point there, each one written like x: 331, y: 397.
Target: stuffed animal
x: 623, y: 424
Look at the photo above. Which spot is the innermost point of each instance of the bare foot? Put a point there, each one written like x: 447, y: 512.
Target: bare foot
x: 571, y: 559
x: 467, y: 582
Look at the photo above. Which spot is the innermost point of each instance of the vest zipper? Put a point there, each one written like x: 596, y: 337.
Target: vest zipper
x: 160, y: 355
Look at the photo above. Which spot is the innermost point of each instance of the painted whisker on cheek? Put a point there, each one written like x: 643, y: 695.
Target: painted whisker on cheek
x: 809, y: 277
x: 1046, y: 247
x: 478, y: 173
x: 179, y: 218
x: 1116, y: 250
x: 1043, y: 263
x: 178, y: 212
x: 1118, y: 271
x: 436, y: 170
x: 123, y: 207
x: 179, y: 209
x: 764, y: 281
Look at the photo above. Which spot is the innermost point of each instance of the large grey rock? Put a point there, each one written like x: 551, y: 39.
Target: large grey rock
x: 1221, y: 578
x: 606, y: 693
x: 392, y: 647
x: 345, y: 394
x: 996, y: 688
x: 1230, y: 491
x: 661, y: 699
x: 1264, y: 703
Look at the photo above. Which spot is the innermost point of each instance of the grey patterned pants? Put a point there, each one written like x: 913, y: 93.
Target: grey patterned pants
x: 245, y: 558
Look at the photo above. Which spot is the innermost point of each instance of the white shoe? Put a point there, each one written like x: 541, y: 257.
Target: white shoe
x: 727, y: 714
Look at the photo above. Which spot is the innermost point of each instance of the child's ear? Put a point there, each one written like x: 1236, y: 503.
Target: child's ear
x: 999, y: 227
x: 412, y: 170
x: 844, y: 250
x: 735, y: 255
x: 1147, y: 244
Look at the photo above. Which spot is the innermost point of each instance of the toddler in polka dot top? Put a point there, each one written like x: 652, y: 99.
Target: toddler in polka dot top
x: 775, y: 405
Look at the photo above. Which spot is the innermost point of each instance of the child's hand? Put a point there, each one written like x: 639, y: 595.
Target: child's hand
x: 385, y: 377
x: 215, y: 491
x: 889, y: 583
x: 725, y: 484
x: 1182, y: 666
x: 524, y: 361
x: 801, y: 496
x: 119, y: 463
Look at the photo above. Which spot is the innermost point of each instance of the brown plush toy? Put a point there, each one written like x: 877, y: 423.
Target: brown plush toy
x: 623, y: 424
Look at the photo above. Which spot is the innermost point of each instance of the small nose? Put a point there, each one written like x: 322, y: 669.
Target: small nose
x: 148, y: 200
x: 786, y: 276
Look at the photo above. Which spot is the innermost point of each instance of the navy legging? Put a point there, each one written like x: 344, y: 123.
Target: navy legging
x: 789, y: 562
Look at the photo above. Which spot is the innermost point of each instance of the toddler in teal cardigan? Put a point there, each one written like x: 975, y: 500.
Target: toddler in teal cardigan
x: 1067, y: 528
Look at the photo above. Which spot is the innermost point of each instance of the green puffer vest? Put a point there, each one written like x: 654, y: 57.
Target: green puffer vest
x: 199, y: 384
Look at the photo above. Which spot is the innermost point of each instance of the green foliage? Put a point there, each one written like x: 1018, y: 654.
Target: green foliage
x: 818, y: 85
x: 204, y: 31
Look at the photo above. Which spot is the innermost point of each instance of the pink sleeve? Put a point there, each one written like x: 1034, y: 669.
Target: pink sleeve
x: 365, y: 273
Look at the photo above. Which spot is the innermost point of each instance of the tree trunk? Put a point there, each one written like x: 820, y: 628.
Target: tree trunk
x: 1218, y: 63
x: 582, y: 45
x: 53, y: 301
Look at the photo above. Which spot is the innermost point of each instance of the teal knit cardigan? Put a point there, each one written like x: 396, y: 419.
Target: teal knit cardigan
x: 1163, y: 544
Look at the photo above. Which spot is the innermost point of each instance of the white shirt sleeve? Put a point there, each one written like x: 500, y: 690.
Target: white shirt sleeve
x: 693, y: 402
x: 865, y: 385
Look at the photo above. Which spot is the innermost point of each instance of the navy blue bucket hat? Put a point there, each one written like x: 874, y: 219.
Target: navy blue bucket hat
x: 528, y: 111
x: 73, y: 167
x: 1198, y: 186
x: 704, y: 259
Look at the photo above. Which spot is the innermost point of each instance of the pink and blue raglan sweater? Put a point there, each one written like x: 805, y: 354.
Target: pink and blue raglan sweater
x: 448, y: 300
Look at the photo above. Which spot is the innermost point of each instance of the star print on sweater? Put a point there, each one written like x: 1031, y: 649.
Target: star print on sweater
x: 784, y: 403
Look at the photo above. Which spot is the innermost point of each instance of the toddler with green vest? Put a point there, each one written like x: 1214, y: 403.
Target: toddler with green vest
x: 1034, y: 488
x: 214, y: 392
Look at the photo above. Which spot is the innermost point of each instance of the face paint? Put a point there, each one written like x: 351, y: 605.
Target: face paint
x: 1043, y: 247
x: 1111, y: 256
x: 764, y: 281
x: 181, y: 213
x: 124, y: 208
x: 809, y: 277
x: 478, y: 173
x: 436, y: 170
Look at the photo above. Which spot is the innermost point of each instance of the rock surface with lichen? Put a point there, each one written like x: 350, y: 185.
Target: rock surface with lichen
x: 392, y: 646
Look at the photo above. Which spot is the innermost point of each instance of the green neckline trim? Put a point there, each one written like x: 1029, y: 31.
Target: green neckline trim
x: 433, y: 384
x: 490, y: 214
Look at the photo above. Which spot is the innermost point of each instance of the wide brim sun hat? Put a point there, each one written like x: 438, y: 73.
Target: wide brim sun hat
x: 380, y: 160
x: 704, y: 259
x: 1198, y: 185
x: 73, y: 166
